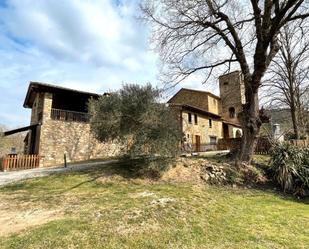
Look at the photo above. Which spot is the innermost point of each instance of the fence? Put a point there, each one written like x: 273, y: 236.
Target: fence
x: 263, y: 145
x: 198, y: 147
x: 229, y: 144
x: 19, y: 162
x: 302, y: 143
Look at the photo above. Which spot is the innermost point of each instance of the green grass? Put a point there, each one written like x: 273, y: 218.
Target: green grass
x: 109, y: 207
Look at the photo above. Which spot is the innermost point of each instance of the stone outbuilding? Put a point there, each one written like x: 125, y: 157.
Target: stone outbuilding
x: 60, y: 125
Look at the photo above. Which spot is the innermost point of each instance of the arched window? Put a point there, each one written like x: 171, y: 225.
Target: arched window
x: 238, y: 133
x: 232, y: 112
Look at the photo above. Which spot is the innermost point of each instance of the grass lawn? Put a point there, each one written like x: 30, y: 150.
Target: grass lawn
x: 107, y: 208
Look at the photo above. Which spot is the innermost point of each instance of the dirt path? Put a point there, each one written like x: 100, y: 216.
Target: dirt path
x: 10, y: 177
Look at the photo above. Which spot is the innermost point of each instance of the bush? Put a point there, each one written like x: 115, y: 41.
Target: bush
x: 135, y: 116
x: 290, y: 168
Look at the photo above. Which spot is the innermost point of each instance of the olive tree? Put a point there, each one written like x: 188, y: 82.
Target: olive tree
x: 134, y: 116
x: 203, y: 36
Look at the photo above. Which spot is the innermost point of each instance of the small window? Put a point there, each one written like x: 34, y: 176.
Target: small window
x: 195, y: 119
x: 210, y: 123
x: 232, y: 112
x: 190, y: 118
x: 225, y: 83
x: 238, y: 134
x: 188, y: 135
x: 213, y: 140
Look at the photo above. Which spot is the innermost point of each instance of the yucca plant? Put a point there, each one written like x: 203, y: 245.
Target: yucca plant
x: 302, y: 182
x: 286, y: 163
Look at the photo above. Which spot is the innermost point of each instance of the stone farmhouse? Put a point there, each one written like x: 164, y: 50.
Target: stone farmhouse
x: 60, y: 125
x: 60, y: 122
x: 205, y: 118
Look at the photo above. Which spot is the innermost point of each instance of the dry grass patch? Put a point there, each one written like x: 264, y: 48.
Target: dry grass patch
x: 124, y: 211
x: 20, y: 216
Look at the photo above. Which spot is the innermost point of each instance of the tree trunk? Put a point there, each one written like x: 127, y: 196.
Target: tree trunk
x: 295, y: 122
x: 293, y: 106
x: 251, y: 127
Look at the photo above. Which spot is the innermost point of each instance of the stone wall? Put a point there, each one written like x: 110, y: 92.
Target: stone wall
x: 214, y: 105
x: 232, y: 94
x: 201, y: 129
x: 73, y: 138
x: 194, y: 98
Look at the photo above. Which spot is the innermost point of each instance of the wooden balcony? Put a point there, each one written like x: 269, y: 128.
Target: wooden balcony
x: 69, y: 116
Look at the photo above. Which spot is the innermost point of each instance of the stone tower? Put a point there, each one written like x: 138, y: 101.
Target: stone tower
x: 232, y: 93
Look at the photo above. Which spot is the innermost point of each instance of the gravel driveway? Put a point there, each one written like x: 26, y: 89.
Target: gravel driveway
x: 14, y: 176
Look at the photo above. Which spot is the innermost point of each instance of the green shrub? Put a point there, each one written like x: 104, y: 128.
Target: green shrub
x: 290, y: 168
x: 135, y: 117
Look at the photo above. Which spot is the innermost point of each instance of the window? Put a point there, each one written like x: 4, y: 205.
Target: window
x: 210, y: 123
x: 238, y: 133
x: 195, y: 119
x: 190, y: 118
x: 213, y: 140
x: 232, y: 112
x: 225, y: 86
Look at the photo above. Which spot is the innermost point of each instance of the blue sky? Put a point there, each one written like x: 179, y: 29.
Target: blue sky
x: 88, y: 45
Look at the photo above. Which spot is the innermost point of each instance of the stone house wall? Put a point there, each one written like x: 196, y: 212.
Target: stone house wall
x: 201, y: 129
x: 214, y: 105
x: 73, y: 138
x: 193, y: 98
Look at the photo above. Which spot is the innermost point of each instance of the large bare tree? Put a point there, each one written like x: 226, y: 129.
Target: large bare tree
x: 202, y: 35
x: 288, y: 81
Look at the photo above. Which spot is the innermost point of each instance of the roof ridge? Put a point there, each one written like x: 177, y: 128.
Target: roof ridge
x: 202, y: 91
x: 60, y: 87
x: 46, y: 87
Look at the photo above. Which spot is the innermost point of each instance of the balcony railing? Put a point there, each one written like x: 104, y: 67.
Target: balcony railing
x: 70, y: 116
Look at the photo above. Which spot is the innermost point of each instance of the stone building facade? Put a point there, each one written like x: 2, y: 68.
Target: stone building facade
x: 62, y: 130
x: 205, y: 118
x: 60, y: 126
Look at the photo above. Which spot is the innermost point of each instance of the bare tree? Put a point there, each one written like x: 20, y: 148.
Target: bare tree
x: 203, y: 35
x: 288, y: 82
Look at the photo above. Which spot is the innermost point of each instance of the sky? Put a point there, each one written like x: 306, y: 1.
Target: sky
x: 94, y: 46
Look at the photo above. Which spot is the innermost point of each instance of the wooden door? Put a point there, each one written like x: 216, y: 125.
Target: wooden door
x: 225, y: 131
x: 197, y: 143
x: 32, y: 141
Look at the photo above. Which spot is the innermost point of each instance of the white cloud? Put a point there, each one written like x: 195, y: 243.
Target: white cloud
x: 89, y: 45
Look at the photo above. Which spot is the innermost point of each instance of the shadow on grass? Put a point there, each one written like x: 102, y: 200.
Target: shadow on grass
x: 150, y: 168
